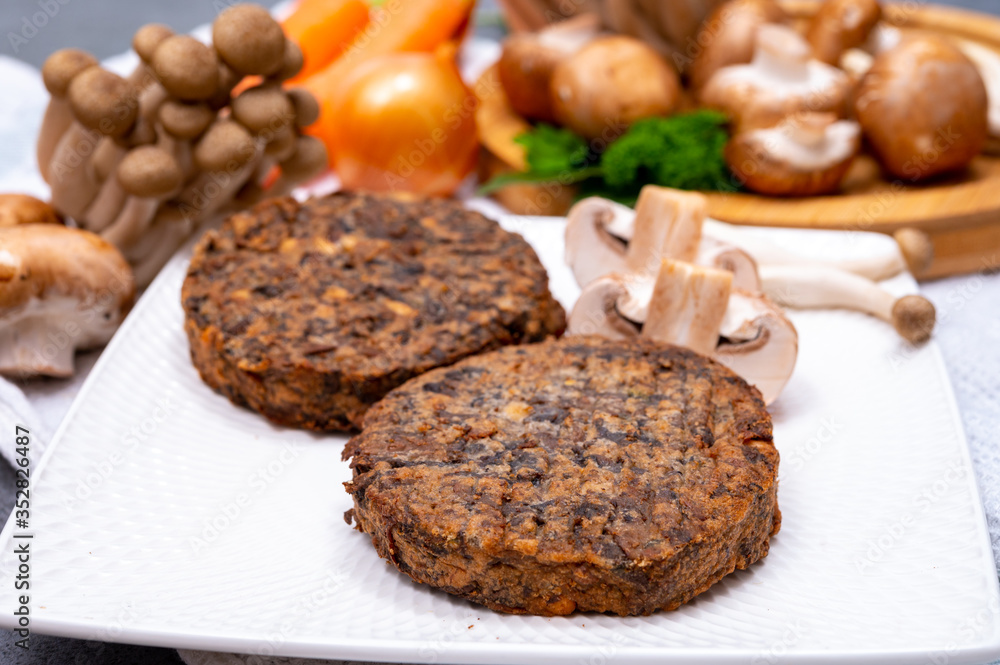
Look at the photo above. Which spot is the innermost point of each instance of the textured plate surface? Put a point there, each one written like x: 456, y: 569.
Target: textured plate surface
x: 162, y: 514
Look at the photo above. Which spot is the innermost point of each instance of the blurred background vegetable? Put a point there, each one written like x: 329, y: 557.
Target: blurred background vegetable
x: 324, y: 29
x: 404, y: 121
x: 397, y: 26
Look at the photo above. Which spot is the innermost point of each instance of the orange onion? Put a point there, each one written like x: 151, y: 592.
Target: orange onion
x: 404, y: 122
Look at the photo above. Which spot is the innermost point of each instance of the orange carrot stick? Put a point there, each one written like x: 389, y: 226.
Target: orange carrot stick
x: 323, y: 29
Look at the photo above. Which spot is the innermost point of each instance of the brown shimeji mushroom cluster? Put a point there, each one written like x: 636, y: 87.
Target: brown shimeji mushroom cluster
x: 143, y: 160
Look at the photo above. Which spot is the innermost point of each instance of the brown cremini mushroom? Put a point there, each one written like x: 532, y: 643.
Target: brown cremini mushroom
x: 61, y: 289
x: 609, y: 84
x: 24, y: 209
x: 529, y: 59
x: 923, y: 107
x: 729, y: 35
x: 806, y: 155
x: 780, y: 80
x: 840, y: 25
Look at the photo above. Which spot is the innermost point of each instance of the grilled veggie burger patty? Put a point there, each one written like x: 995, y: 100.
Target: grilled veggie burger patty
x: 310, y: 312
x: 575, y: 475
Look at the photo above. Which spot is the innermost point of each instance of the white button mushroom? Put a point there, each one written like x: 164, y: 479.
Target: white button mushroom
x: 603, y: 237
x: 61, y: 289
x: 694, y: 306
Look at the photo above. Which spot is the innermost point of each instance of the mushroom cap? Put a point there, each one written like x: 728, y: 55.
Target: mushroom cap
x: 282, y: 144
x: 185, y: 121
x: 227, y: 145
x: 840, y: 25
x: 781, y: 79
x: 730, y: 34
x: 62, y: 67
x: 23, y: 209
x: 45, y: 260
x: 188, y: 69
x: 104, y: 102
x: 147, y: 38
x: 228, y: 80
x: 923, y: 107
x: 292, y: 62
x: 149, y: 172
x: 592, y: 248
x: 596, y: 310
x: 265, y: 108
x: 780, y: 161
x: 609, y: 84
x: 249, y: 40
x: 305, y: 105
x: 913, y: 317
x: 309, y: 159
x: 760, y: 343
x: 528, y: 61
x: 52, y: 277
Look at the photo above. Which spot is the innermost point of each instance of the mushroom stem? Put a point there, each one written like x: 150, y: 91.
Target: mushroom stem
x: 810, y: 129
x: 667, y: 225
x: 167, y: 232
x: 820, y: 287
x: 766, y: 253
x: 55, y: 123
x: 22, y: 341
x: 688, y: 305
x: 58, y: 73
x: 782, y: 53
x: 71, y: 174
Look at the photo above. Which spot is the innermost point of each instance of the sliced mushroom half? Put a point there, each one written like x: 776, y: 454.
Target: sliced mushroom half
x: 604, y: 237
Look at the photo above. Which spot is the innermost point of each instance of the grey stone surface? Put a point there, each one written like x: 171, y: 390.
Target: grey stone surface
x: 31, y: 30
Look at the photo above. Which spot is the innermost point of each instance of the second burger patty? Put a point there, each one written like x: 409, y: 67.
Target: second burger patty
x: 309, y: 313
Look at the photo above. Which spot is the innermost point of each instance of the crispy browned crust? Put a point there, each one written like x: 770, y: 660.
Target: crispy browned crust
x: 573, y: 475
x: 309, y: 313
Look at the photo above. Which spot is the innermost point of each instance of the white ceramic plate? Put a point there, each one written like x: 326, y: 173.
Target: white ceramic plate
x: 162, y: 514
